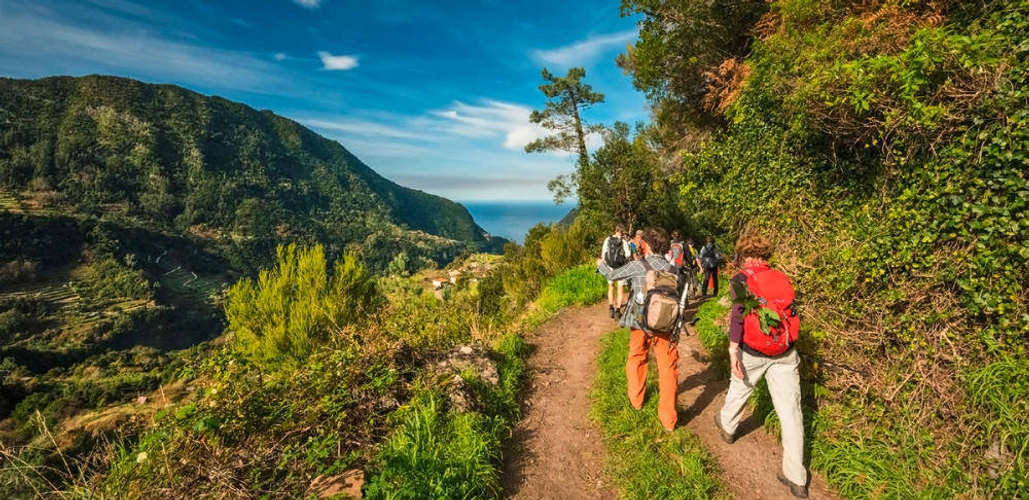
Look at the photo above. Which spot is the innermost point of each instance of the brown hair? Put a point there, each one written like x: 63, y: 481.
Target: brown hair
x: 657, y: 240
x: 754, y: 245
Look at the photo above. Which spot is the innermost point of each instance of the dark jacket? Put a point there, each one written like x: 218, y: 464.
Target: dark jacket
x: 709, y: 256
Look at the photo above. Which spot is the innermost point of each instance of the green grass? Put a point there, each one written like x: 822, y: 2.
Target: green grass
x: 438, y: 454
x: 1002, y: 389
x: 710, y: 325
x: 580, y: 285
x: 645, y: 461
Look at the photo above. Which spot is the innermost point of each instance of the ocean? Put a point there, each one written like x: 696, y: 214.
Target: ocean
x: 513, y: 219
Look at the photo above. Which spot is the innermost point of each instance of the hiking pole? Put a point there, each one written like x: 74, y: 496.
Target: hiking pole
x: 678, y: 328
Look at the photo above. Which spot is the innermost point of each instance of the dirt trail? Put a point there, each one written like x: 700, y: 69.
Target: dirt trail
x: 558, y: 453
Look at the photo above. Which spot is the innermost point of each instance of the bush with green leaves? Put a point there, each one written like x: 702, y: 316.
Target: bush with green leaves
x: 294, y: 307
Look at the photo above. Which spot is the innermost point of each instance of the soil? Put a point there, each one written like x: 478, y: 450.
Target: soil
x: 558, y: 452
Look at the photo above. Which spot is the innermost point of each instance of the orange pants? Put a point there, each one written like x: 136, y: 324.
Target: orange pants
x: 667, y: 374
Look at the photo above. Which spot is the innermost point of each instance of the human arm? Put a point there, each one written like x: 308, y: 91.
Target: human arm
x: 627, y: 271
x: 736, y: 330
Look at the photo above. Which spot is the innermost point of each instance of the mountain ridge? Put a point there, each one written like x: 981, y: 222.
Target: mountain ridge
x: 178, y: 159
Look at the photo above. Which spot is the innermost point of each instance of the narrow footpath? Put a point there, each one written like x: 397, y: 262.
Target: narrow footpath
x: 558, y: 453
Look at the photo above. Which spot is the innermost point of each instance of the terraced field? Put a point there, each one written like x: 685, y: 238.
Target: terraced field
x: 183, y: 281
x: 9, y: 201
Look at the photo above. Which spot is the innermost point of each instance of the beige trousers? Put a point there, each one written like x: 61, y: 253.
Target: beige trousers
x: 783, y: 376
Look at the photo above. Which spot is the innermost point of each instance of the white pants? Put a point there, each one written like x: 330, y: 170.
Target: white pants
x: 783, y: 376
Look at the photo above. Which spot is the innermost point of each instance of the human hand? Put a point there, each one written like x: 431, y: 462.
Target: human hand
x: 734, y: 360
x: 737, y: 367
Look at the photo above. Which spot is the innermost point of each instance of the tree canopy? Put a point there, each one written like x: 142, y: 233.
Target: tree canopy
x: 567, y: 97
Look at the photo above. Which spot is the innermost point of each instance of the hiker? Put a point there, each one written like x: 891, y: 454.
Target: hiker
x: 676, y: 251
x: 681, y: 257
x: 694, y: 260
x: 615, y: 254
x: 665, y: 352
x: 711, y: 259
x: 754, y: 353
x: 637, y: 244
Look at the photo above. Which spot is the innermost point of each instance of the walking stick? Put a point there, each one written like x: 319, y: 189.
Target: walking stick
x: 680, y: 321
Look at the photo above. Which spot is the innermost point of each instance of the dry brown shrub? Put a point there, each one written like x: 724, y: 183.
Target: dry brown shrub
x: 725, y: 85
x: 769, y: 24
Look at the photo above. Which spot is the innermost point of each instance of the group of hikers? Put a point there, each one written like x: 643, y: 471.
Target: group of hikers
x: 619, y: 249
x: 763, y: 327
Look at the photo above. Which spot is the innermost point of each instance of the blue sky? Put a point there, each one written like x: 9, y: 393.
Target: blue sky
x: 434, y: 95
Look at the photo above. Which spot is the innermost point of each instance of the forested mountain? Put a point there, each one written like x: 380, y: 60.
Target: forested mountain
x: 127, y: 210
x: 174, y: 160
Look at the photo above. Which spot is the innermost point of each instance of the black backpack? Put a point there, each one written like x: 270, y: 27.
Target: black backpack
x: 711, y: 256
x: 615, y: 255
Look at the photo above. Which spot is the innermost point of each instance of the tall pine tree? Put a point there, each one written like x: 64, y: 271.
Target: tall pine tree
x: 567, y: 97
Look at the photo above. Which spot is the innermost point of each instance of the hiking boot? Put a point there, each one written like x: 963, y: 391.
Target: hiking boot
x: 728, y: 438
x: 611, y: 311
x: 798, y: 490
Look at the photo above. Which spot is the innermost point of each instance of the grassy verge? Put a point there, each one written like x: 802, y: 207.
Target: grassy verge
x: 439, y: 453
x: 651, y: 462
x: 580, y: 285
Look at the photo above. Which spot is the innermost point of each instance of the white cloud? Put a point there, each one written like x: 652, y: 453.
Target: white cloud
x: 280, y: 56
x: 308, y: 4
x: 342, y: 63
x: 433, y: 152
x: 585, y: 51
x: 366, y: 128
x: 492, y: 119
x: 58, y: 46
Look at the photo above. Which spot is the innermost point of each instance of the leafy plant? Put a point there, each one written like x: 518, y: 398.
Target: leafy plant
x: 297, y: 305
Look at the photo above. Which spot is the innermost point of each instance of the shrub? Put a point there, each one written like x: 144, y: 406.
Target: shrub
x: 297, y: 304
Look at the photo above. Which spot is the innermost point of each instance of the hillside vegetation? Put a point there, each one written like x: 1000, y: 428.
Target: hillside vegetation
x: 127, y: 210
x: 882, y: 146
x: 169, y: 159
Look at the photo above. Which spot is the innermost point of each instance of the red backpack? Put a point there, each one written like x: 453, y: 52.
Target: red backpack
x: 773, y: 330
x: 678, y: 260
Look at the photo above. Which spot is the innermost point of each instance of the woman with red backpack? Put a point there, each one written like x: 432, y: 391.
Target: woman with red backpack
x: 763, y: 327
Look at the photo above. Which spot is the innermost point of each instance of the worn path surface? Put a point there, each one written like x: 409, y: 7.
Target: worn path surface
x: 558, y: 453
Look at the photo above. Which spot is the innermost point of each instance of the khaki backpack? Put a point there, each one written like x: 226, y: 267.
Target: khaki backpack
x: 660, y: 303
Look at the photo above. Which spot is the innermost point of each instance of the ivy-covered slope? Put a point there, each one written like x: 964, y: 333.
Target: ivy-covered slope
x: 882, y: 145
x: 173, y: 159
